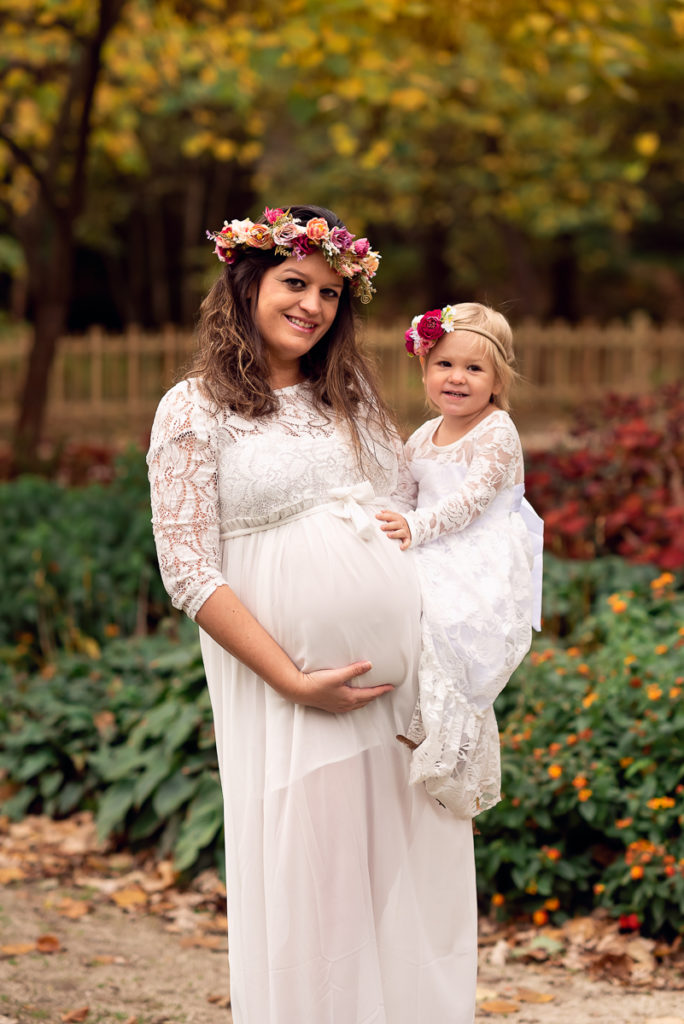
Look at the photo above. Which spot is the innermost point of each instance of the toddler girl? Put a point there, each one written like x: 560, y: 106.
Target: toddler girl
x: 478, y: 550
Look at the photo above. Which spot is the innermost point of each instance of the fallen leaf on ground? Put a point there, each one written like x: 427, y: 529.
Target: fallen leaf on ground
x: 219, y: 1000
x: 75, y: 1016
x: 127, y: 898
x: 530, y: 995
x: 18, y: 949
x: 499, y: 1006
x: 203, y: 941
x: 8, y: 875
x: 47, y: 944
x: 73, y: 908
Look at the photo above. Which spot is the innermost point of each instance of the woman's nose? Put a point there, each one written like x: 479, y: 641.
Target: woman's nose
x: 310, y: 300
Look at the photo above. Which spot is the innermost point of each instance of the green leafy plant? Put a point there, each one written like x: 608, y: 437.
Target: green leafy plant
x: 128, y: 734
x: 593, y: 778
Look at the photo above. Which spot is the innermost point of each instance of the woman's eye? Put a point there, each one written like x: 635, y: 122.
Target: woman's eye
x: 330, y: 293
x: 294, y: 282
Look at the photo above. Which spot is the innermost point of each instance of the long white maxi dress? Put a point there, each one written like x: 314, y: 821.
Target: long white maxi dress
x: 351, y: 895
x: 478, y: 549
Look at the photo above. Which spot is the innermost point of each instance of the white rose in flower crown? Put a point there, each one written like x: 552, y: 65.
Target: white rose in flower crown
x: 241, y: 229
x: 285, y: 234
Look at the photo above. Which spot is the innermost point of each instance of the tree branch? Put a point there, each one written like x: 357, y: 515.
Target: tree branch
x: 24, y: 158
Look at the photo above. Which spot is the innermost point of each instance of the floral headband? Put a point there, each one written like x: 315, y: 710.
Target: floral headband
x: 427, y: 328
x: 348, y: 256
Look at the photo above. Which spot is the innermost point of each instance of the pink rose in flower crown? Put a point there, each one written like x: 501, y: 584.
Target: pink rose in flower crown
x: 272, y: 215
x: 410, y: 343
x: 361, y: 247
x: 285, y: 234
x: 260, y: 237
x: 429, y: 327
x: 341, y: 238
x: 317, y: 228
x: 303, y: 246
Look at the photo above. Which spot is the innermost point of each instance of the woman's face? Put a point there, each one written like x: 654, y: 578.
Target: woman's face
x: 295, y: 305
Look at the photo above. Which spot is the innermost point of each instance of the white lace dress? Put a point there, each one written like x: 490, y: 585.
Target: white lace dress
x: 477, y: 546
x: 351, y: 895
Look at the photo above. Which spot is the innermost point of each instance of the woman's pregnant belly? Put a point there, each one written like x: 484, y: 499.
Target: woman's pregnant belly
x: 330, y: 597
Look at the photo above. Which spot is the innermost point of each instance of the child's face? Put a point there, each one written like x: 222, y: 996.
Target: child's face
x: 460, y: 379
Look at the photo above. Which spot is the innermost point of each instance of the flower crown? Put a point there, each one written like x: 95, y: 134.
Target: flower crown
x: 348, y: 256
x: 427, y: 328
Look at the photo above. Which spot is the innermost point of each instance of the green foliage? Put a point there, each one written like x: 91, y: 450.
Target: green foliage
x: 79, y: 564
x: 593, y: 778
x: 128, y: 734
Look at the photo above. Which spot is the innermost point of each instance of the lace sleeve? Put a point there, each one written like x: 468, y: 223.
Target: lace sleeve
x: 404, y: 496
x: 496, y: 462
x: 182, y: 467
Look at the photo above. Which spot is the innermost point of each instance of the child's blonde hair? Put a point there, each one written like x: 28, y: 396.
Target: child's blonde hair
x: 500, y: 352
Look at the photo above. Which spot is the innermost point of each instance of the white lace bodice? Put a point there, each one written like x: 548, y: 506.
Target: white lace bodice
x: 213, y: 473
x: 491, y: 462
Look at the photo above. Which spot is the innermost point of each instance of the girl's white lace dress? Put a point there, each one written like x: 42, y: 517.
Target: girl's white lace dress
x: 351, y: 895
x: 478, y: 549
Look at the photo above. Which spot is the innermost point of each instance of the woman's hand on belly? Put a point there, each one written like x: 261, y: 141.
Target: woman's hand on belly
x: 328, y: 689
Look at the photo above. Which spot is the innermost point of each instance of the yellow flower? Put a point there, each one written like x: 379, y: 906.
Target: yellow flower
x: 555, y: 771
x: 654, y: 692
x: 584, y: 795
x: 663, y: 580
x: 619, y: 606
x: 630, y: 659
x: 675, y: 691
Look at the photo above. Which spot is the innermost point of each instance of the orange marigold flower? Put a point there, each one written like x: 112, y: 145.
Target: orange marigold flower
x: 584, y: 795
x: 555, y: 771
x: 561, y: 671
x: 636, y: 871
x: 531, y: 887
x: 498, y: 899
x: 661, y: 649
x: 670, y: 870
x: 681, y: 630
x: 573, y: 652
x: 618, y: 606
x: 552, y: 852
x: 630, y: 659
x: 661, y: 581
x: 540, y: 917
x: 538, y: 752
x: 571, y: 740
x: 675, y: 691
x: 653, y: 691
x: 589, y: 699
x: 112, y: 629
x: 623, y: 822
x: 579, y: 782
x: 626, y: 761
x: 586, y: 734
x: 599, y: 887
x: 555, y: 747
x: 583, y: 669
x: 553, y: 903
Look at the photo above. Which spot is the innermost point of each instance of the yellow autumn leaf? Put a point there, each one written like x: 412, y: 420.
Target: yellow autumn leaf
x: 343, y: 141
x: 409, y: 98
x: 499, y: 1006
x: 647, y: 143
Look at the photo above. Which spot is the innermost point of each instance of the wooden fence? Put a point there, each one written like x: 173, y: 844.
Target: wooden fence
x: 106, y: 387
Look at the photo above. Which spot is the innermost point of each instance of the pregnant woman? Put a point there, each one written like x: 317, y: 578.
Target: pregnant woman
x: 351, y: 896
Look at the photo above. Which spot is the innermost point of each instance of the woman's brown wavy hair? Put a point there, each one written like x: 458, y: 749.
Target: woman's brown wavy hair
x: 232, y: 362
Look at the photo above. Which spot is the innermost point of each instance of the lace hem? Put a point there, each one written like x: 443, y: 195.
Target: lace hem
x: 457, y: 745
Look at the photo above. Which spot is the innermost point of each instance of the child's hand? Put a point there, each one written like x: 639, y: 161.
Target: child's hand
x: 396, y: 527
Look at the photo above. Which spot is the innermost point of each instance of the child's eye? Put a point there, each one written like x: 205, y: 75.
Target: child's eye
x: 443, y: 362
x: 474, y: 366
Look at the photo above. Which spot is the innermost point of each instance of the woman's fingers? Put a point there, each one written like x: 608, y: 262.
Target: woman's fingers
x: 329, y: 689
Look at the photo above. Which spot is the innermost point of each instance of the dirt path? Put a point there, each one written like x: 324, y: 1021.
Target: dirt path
x: 92, y: 936
x: 126, y: 966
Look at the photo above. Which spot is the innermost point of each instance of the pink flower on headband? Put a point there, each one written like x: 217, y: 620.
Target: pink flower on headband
x: 361, y: 247
x: 410, y: 342
x: 272, y: 215
x: 341, y: 238
x: 429, y: 327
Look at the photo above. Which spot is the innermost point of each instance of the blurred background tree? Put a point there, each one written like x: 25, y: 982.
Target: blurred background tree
x: 525, y: 153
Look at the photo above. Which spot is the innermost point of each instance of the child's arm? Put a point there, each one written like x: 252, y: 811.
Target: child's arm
x: 496, y: 463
